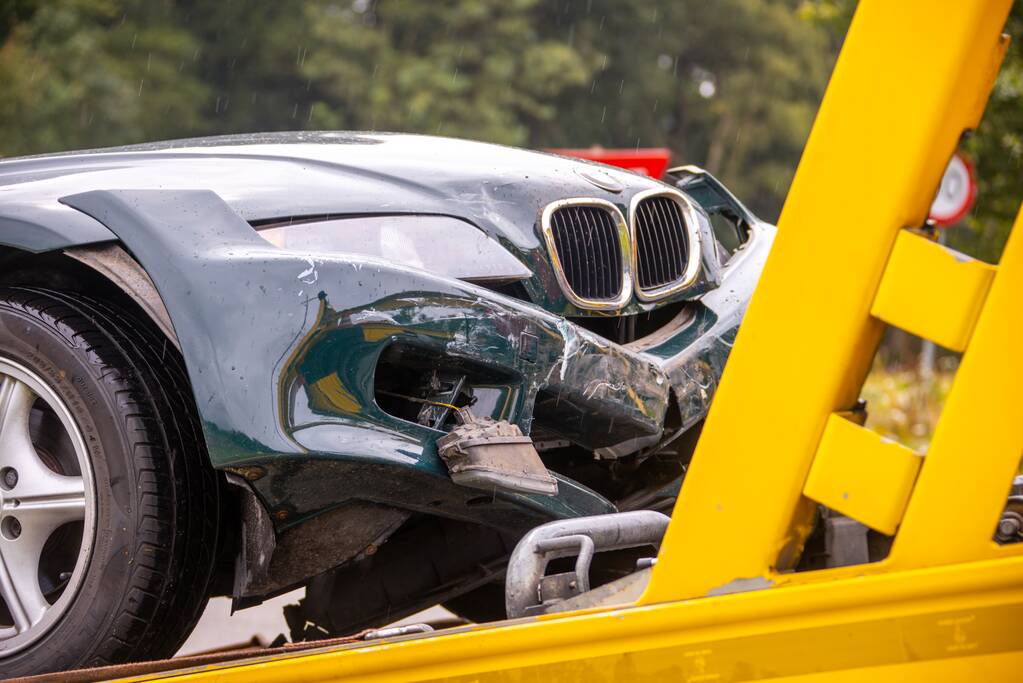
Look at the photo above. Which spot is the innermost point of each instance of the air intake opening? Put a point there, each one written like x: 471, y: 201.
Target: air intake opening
x: 424, y: 385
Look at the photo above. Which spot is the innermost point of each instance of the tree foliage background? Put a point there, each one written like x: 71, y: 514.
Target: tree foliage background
x: 732, y: 85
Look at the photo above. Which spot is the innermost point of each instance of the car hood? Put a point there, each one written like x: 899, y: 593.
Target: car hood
x: 263, y: 177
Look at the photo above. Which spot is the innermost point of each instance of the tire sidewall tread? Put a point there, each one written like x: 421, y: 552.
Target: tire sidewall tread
x: 144, y: 543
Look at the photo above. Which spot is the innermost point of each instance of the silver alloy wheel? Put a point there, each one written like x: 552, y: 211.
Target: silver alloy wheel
x: 47, y: 503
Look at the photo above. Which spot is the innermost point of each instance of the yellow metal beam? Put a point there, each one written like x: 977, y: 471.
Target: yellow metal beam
x: 932, y: 291
x: 912, y: 75
x: 978, y: 441
x: 890, y: 623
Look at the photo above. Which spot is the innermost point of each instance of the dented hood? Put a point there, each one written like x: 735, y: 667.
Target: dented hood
x: 279, y: 175
x: 275, y: 176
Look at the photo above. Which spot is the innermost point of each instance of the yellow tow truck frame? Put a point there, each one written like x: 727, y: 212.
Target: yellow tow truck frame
x: 722, y: 603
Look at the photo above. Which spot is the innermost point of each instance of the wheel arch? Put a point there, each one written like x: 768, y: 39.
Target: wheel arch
x: 114, y: 263
x: 106, y: 269
x: 108, y: 272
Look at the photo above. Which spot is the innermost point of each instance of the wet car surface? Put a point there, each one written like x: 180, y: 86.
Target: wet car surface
x: 344, y: 301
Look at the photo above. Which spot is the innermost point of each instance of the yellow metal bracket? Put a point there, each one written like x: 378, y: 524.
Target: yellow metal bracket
x: 862, y: 475
x: 932, y: 291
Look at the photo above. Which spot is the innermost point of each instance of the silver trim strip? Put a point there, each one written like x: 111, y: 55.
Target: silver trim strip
x: 625, y: 244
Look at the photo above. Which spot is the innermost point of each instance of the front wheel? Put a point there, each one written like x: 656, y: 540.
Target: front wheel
x: 108, y: 506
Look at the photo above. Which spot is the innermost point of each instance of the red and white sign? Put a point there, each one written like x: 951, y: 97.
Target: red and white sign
x: 957, y: 192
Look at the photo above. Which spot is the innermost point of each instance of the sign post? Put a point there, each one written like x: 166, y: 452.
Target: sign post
x: 956, y: 194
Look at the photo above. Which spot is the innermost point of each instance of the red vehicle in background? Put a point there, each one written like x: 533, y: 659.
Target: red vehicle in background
x: 650, y: 161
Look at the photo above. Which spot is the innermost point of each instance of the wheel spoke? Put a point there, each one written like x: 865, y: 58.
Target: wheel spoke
x: 35, y: 501
x: 45, y: 483
x: 16, y: 400
x: 39, y: 496
x: 42, y: 513
x: 19, y: 581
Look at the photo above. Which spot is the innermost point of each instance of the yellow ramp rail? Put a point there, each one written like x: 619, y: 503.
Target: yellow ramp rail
x: 722, y: 603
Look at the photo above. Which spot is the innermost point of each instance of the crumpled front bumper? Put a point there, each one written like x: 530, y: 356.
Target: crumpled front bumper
x: 282, y: 348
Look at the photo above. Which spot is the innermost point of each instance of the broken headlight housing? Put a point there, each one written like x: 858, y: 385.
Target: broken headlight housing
x: 438, y: 244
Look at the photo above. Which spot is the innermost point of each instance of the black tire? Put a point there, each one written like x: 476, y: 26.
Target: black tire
x: 157, y: 498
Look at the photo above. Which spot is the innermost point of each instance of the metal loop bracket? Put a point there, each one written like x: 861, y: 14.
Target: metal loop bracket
x: 528, y: 591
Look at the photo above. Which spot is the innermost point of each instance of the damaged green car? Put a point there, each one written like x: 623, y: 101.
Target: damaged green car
x: 362, y: 363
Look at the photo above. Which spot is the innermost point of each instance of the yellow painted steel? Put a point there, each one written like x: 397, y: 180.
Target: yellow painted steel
x: 978, y: 440
x: 882, y: 625
x: 862, y: 475
x: 906, y: 85
x: 932, y: 291
x: 947, y: 604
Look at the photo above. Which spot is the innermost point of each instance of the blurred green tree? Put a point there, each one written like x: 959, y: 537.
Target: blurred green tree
x: 479, y: 69
x: 732, y: 85
x: 251, y: 61
x: 997, y: 152
x: 88, y: 73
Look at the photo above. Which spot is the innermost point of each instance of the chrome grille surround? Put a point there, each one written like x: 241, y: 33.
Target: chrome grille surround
x: 691, y: 237
x: 624, y: 247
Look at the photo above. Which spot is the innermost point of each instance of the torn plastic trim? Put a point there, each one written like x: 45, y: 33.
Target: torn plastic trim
x: 493, y: 454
